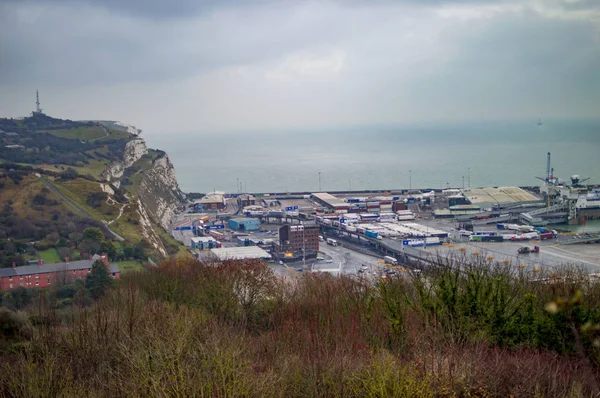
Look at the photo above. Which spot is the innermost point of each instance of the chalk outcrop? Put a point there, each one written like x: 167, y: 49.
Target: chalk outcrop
x: 134, y: 150
x: 158, y: 195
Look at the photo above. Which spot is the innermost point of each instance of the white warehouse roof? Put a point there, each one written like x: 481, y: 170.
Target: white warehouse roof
x: 240, y: 253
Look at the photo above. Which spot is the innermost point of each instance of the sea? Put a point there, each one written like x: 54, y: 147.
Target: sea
x: 420, y: 156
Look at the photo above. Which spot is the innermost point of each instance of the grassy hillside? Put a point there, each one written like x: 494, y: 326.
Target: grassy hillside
x: 66, y: 160
x: 235, y: 329
x: 85, y: 133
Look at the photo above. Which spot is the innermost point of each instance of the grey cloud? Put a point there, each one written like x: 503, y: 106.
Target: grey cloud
x: 401, y: 62
x: 158, y: 9
x: 145, y: 8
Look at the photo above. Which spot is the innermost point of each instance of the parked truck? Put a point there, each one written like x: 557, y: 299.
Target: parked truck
x: 390, y: 260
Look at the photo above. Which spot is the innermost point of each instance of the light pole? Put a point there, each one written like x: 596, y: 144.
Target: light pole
x: 319, y: 181
x: 303, y: 248
x: 463, y: 182
x: 409, y: 179
x: 349, y: 188
x: 469, y: 177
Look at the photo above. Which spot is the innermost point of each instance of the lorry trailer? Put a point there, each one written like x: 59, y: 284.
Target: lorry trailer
x: 390, y: 260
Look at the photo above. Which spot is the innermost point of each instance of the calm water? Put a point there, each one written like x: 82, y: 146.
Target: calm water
x: 497, y: 154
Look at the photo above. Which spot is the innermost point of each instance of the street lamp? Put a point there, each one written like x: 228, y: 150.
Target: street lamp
x: 469, y: 177
x: 410, y: 179
x: 319, y: 181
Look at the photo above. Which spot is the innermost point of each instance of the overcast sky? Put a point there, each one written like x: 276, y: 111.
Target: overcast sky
x: 196, y: 66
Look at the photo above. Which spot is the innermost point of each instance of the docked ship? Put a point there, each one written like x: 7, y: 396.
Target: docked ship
x: 591, y: 201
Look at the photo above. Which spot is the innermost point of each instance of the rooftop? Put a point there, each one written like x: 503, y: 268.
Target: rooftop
x: 330, y: 199
x: 198, y: 239
x: 55, y: 267
x: 240, y: 253
x: 211, y: 198
x: 498, y: 195
x: 243, y: 219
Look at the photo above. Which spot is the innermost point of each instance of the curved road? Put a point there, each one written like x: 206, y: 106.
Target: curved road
x: 74, y: 206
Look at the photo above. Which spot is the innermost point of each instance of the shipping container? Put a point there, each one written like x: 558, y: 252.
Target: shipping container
x: 492, y: 239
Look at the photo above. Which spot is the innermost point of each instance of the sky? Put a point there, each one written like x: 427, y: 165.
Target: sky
x: 234, y: 65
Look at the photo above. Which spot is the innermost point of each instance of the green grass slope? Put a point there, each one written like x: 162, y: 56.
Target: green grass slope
x: 70, y: 158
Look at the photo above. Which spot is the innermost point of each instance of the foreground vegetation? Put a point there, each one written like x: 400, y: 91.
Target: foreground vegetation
x: 235, y: 329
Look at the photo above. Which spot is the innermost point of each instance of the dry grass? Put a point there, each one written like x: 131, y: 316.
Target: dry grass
x: 235, y: 329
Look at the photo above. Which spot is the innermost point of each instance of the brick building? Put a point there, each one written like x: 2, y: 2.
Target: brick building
x: 45, y: 275
x: 245, y: 200
x: 294, y: 239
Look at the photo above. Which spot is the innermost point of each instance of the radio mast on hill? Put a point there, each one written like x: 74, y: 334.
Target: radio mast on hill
x: 38, y: 109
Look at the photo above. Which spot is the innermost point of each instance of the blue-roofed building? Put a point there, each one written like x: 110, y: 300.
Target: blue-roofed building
x: 244, y: 224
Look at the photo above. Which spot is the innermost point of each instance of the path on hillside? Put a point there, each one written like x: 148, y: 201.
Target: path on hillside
x: 120, y: 214
x: 74, y: 206
x: 106, y: 132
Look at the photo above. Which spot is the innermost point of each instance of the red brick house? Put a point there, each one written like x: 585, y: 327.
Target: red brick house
x: 45, y: 275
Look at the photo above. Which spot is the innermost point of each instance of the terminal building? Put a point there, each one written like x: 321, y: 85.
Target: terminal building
x: 502, y: 197
x: 330, y: 202
x: 212, y: 201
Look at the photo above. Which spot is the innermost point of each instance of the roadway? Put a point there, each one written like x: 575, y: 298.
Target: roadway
x: 551, y: 254
x: 351, y: 261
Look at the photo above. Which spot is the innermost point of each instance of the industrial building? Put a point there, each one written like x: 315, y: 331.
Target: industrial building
x: 241, y: 253
x: 298, y: 241
x: 330, y: 202
x: 246, y: 200
x: 251, y: 241
x: 203, y: 243
x: 244, y: 224
x: 212, y: 201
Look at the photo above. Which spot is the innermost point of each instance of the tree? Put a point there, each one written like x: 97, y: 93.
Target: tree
x: 93, y: 233
x: 64, y: 252
x: 109, y: 248
x: 89, y: 246
x: 98, y: 280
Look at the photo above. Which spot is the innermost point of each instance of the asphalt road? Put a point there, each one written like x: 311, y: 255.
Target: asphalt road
x: 551, y: 254
x: 350, y: 260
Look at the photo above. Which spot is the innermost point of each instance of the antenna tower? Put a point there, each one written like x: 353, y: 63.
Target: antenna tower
x: 37, y: 102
